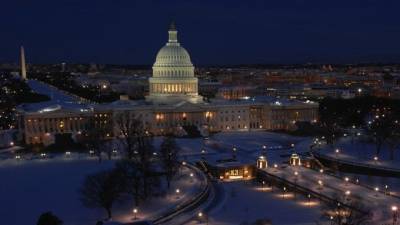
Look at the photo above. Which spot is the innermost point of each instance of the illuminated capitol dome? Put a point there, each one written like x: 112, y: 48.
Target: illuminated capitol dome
x: 173, y: 74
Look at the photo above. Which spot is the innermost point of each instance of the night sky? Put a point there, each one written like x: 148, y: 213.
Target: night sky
x: 214, y: 32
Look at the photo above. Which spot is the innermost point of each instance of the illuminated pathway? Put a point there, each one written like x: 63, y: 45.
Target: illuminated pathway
x: 329, y: 187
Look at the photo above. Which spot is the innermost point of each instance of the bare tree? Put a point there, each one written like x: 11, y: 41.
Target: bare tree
x: 394, y: 139
x: 102, y: 190
x: 95, y: 138
x: 133, y: 176
x: 144, y: 158
x: 139, y: 148
x: 354, y: 213
x: 130, y: 130
x: 383, y: 128
x: 169, y: 153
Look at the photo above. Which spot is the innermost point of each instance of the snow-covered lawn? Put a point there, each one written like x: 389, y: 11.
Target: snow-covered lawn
x: 31, y: 187
x: 28, y: 189
x: 362, y: 152
x: 246, y: 202
x: 249, y: 145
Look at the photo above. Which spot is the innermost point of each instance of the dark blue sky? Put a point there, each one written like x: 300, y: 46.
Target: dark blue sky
x: 214, y: 32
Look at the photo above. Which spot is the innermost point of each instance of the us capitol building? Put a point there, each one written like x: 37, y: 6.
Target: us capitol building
x: 173, y: 103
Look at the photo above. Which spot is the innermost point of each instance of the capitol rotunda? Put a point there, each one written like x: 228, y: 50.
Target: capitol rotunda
x: 173, y: 77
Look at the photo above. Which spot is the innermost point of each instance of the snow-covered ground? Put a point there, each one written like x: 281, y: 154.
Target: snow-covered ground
x: 360, y: 151
x: 246, y: 202
x: 249, y: 145
x: 378, y: 202
x: 31, y: 187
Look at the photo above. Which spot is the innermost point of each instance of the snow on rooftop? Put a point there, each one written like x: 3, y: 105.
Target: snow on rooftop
x: 59, y: 100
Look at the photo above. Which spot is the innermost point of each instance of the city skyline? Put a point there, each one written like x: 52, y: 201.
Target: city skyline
x: 217, y: 33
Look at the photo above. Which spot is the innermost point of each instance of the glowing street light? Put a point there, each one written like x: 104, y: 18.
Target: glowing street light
x: 191, y: 177
x: 321, y: 184
x: 337, y: 151
x: 135, y: 212
x: 347, y: 193
x: 284, y: 192
x: 296, y: 174
x: 201, y: 215
x: 177, y: 191
x: 275, y: 167
x: 376, y: 159
x: 203, y: 152
x: 347, y: 180
x: 395, y: 214
x: 376, y: 191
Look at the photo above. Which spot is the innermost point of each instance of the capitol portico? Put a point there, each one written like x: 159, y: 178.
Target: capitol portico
x: 173, y: 104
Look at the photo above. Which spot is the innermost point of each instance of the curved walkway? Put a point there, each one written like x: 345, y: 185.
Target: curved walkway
x: 183, y: 211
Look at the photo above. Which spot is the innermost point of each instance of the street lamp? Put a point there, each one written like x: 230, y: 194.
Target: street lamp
x: 321, y: 184
x: 376, y: 159
x: 296, y: 174
x: 376, y: 191
x: 177, y: 191
x: 347, y: 193
x: 135, y: 212
x: 395, y: 214
x: 275, y: 167
x: 337, y: 151
x: 234, y: 152
x: 203, y: 152
x: 201, y: 215
x: 284, y: 192
x: 191, y: 177
x: 347, y: 180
